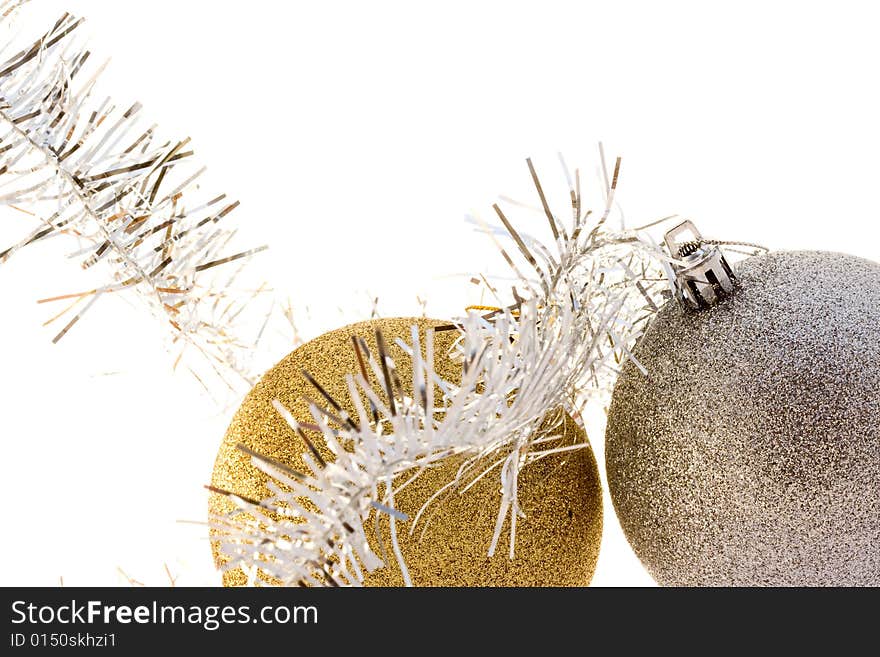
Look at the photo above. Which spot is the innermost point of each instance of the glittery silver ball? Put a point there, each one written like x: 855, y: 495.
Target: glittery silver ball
x: 750, y: 453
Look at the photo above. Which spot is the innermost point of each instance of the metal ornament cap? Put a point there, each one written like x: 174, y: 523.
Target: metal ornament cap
x: 750, y: 452
x: 702, y: 275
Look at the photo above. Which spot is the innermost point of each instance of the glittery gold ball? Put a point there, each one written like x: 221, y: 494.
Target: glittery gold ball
x: 750, y: 452
x: 557, y: 543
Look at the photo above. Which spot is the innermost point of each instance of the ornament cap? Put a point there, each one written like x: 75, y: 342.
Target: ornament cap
x: 702, y: 275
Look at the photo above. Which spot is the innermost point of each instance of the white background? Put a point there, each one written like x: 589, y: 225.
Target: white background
x: 357, y: 135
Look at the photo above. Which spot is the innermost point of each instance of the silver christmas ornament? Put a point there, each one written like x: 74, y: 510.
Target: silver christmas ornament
x: 749, y: 454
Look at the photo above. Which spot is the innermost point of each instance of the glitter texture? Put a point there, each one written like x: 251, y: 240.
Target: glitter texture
x: 750, y: 453
x: 557, y: 541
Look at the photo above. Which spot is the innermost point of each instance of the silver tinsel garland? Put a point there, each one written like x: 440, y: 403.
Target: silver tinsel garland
x: 86, y: 170
x: 81, y: 167
x: 587, y: 298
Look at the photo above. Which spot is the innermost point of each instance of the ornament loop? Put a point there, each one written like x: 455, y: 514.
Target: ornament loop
x: 702, y: 275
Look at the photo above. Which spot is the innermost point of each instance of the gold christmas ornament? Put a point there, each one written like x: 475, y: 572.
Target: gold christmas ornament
x: 557, y: 542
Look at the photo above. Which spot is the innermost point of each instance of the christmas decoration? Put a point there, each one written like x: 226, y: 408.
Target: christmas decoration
x: 559, y: 493
x: 75, y: 165
x: 742, y: 445
x: 83, y: 170
x: 559, y: 342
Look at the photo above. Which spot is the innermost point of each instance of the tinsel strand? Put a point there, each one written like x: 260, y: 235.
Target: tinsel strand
x: 84, y: 169
x: 589, y: 296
